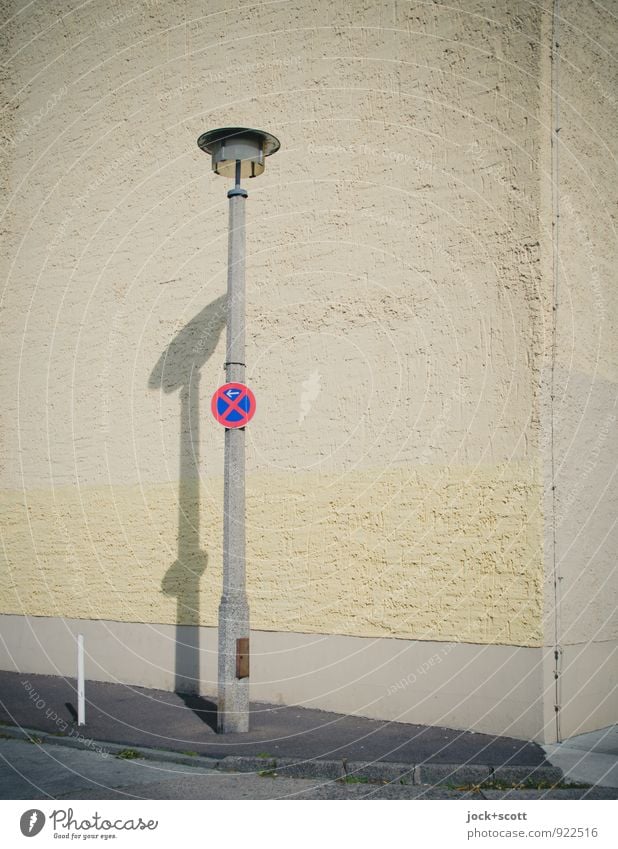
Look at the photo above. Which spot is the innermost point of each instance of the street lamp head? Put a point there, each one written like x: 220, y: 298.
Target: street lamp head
x: 229, y: 145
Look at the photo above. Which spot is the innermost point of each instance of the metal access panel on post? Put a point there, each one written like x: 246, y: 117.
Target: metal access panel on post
x: 242, y: 657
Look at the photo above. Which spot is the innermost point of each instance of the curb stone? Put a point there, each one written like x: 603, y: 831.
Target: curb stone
x: 21, y: 733
x: 392, y: 773
x: 112, y: 749
x: 200, y: 761
x: 521, y: 773
x: 436, y: 774
x: 294, y: 768
x: 240, y: 763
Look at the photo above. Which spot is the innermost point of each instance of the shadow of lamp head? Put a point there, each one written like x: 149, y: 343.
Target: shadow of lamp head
x: 182, y: 581
x: 190, y: 348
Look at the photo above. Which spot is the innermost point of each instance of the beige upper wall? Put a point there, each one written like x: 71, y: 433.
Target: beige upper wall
x: 388, y: 239
x: 397, y: 311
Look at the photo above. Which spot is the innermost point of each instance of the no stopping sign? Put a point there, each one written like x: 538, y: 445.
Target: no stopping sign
x: 233, y: 405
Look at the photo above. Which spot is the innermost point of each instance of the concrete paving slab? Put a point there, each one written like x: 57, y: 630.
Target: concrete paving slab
x: 604, y: 741
x: 579, y: 765
x: 591, y: 758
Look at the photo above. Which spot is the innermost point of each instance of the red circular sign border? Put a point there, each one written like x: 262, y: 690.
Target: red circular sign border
x: 218, y: 394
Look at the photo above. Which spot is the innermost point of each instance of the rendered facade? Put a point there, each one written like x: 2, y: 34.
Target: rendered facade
x: 431, y: 338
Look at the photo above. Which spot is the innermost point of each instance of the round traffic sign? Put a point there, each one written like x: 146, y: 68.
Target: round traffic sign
x: 233, y: 405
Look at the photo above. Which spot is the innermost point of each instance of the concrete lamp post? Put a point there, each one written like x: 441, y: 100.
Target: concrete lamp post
x: 236, y: 152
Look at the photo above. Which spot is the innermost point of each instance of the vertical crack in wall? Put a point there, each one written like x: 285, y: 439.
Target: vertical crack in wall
x: 555, y: 177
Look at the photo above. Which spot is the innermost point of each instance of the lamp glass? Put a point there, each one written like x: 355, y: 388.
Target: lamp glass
x: 248, y: 149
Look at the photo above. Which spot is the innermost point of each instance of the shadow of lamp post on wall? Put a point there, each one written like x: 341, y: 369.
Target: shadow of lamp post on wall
x: 236, y: 152
x: 178, y: 370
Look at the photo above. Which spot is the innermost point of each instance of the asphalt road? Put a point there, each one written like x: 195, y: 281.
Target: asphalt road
x: 31, y: 771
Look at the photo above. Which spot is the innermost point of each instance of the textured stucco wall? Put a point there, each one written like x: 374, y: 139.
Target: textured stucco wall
x: 397, y: 314
x: 415, y: 556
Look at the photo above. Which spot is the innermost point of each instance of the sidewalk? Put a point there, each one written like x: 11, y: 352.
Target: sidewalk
x: 295, y: 741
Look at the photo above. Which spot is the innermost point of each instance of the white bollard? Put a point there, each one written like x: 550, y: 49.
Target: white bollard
x: 81, y: 700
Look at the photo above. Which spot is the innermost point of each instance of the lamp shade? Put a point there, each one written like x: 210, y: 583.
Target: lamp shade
x: 229, y: 145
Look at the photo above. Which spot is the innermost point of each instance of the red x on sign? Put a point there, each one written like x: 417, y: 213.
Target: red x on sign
x: 233, y: 405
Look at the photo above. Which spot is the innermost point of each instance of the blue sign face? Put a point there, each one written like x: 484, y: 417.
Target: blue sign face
x: 233, y: 405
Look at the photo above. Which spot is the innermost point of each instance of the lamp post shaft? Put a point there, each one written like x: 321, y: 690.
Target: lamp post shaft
x: 233, y: 705
x: 235, y: 152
